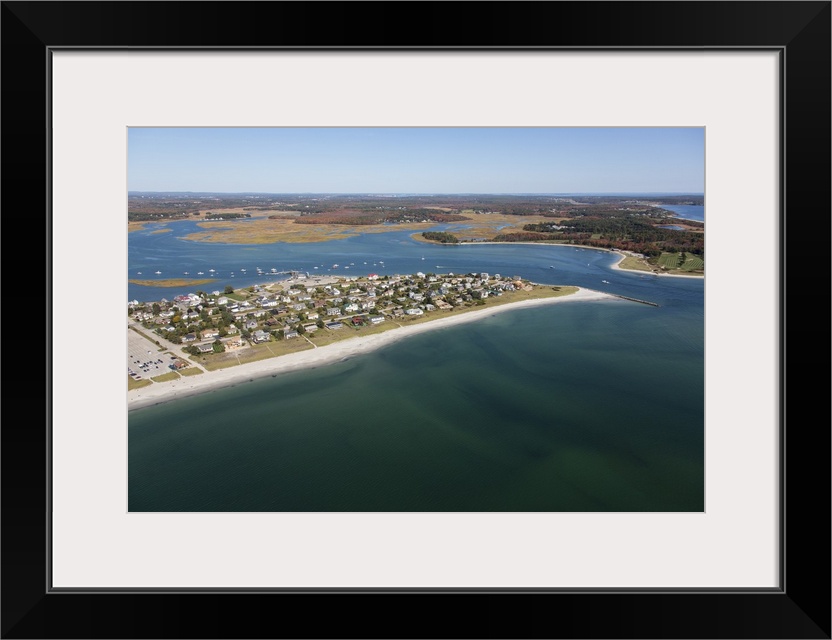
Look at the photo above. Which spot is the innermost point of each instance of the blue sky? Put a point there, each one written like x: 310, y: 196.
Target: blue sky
x: 418, y: 160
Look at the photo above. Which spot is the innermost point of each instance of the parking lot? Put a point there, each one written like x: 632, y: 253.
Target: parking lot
x: 144, y: 360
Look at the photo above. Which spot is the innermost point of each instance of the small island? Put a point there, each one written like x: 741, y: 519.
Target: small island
x: 200, y: 341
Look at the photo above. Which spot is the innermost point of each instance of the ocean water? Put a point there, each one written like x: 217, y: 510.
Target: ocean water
x: 580, y: 406
x: 687, y: 211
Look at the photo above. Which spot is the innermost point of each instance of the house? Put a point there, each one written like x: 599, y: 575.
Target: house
x: 334, y: 311
x: 350, y: 308
x: 334, y: 325
x: 251, y: 324
x: 205, y: 347
x: 312, y: 316
x: 290, y: 334
x: 309, y: 328
x: 414, y: 312
x: 210, y: 333
x: 260, y: 336
x: 376, y: 319
x: 188, y: 337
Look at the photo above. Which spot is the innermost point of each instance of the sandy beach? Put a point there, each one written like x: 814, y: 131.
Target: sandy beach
x: 160, y: 392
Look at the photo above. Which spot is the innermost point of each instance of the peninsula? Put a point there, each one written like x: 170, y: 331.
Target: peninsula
x: 203, y: 341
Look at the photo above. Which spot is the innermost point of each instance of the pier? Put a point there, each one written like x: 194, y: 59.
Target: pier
x: 652, y: 304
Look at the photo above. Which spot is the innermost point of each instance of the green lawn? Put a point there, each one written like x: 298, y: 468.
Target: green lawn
x: 137, y: 384
x: 212, y: 362
x: 190, y: 371
x: 323, y: 337
x: 166, y: 377
x: 669, y: 260
x: 693, y: 264
x: 673, y: 262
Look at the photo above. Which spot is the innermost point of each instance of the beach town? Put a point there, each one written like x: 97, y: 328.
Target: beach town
x: 206, y: 340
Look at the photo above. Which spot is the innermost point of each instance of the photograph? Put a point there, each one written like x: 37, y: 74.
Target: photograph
x: 418, y: 313
x: 459, y: 319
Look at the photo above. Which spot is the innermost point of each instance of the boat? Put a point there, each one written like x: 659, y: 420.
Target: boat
x: 211, y: 270
x: 158, y: 273
x: 551, y: 266
x: 242, y: 270
x: 605, y: 281
x: 200, y: 273
x: 138, y: 273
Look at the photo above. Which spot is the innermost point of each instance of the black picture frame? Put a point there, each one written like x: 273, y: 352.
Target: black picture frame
x: 799, y: 608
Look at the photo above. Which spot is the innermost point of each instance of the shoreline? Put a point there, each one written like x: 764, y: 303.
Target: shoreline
x: 583, y: 246
x: 651, y: 273
x: 162, y: 392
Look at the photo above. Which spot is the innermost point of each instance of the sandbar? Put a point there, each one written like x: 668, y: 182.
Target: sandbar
x: 161, y: 392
